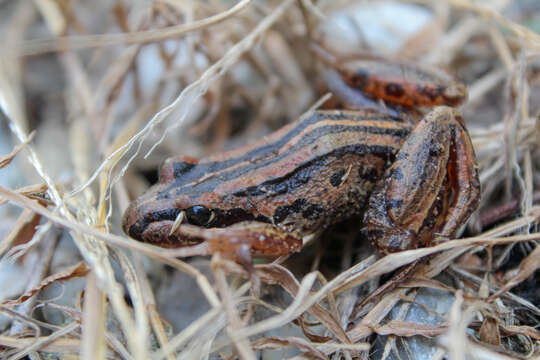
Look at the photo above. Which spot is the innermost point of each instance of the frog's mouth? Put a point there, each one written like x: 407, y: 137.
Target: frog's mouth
x: 162, y: 228
x: 140, y: 214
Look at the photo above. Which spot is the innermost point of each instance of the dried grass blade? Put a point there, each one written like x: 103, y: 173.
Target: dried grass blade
x: 35, y: 47
x: 182, y: 105
x: 353, y: 277
x: 36, y: 192
x: 152, y: 251
x: 5, y: 160
x: 532, y: 39
x: 298, y: 306
x: 60, y: 345
x: 527, y: 267
x: 277, y: 274
x: 275, y: 342
x: 43, y: 342
x: 407, y: 328
x: 93, y: 344
x: 520, y: 330
x: 242, y: 346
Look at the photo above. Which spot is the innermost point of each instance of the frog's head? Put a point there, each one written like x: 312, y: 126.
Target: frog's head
x: 155, y: 220
x: 154, y: 216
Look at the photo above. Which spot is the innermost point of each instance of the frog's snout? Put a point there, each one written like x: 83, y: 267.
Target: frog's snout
x: 142, y: 215
x: 129, y: 220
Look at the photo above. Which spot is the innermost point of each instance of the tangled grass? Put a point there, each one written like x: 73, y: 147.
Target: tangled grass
x: 104, y: 110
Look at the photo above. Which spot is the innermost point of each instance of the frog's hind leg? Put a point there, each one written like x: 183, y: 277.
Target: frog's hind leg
x: 463, y: 178
x: 402, y: 201
x: 460, y: 195
x: 430, y: 190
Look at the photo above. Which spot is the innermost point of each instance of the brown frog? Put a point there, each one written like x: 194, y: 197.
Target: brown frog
x: 411, y: 180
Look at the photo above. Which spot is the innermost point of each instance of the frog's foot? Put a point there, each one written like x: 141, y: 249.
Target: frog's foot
x: 431, y: 189
x: 378, y: 78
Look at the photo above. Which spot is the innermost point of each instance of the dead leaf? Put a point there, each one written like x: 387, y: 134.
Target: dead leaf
x: 489, y: 332
x: 78, y: 270
x: 310, y: 335
x: 22, y: 232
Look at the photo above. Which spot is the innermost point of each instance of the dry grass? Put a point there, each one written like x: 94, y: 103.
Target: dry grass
x: 215, y: 74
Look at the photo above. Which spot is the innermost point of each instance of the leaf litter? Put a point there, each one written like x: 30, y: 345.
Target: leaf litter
x: 233, y: 71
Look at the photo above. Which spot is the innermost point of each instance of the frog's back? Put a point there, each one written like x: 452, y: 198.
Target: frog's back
x: 310, y: 171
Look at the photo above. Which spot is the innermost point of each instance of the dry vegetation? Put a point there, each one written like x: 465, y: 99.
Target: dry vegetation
x: 90, y: 117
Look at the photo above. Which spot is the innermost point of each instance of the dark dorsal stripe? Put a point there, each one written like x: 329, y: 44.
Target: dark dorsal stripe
x: 203, y: 169
x: 211, y: 183
x: 195, y: 172
x: 302, y: 174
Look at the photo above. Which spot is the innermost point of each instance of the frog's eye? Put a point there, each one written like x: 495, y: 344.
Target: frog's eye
x: 199, y: 215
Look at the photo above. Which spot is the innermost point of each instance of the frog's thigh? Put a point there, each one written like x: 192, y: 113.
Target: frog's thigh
x: 463, y: 178
x: 404, y: 198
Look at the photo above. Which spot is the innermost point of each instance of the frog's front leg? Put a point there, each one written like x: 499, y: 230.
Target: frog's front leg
x: 238, y: 242
x: 430, y: 190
